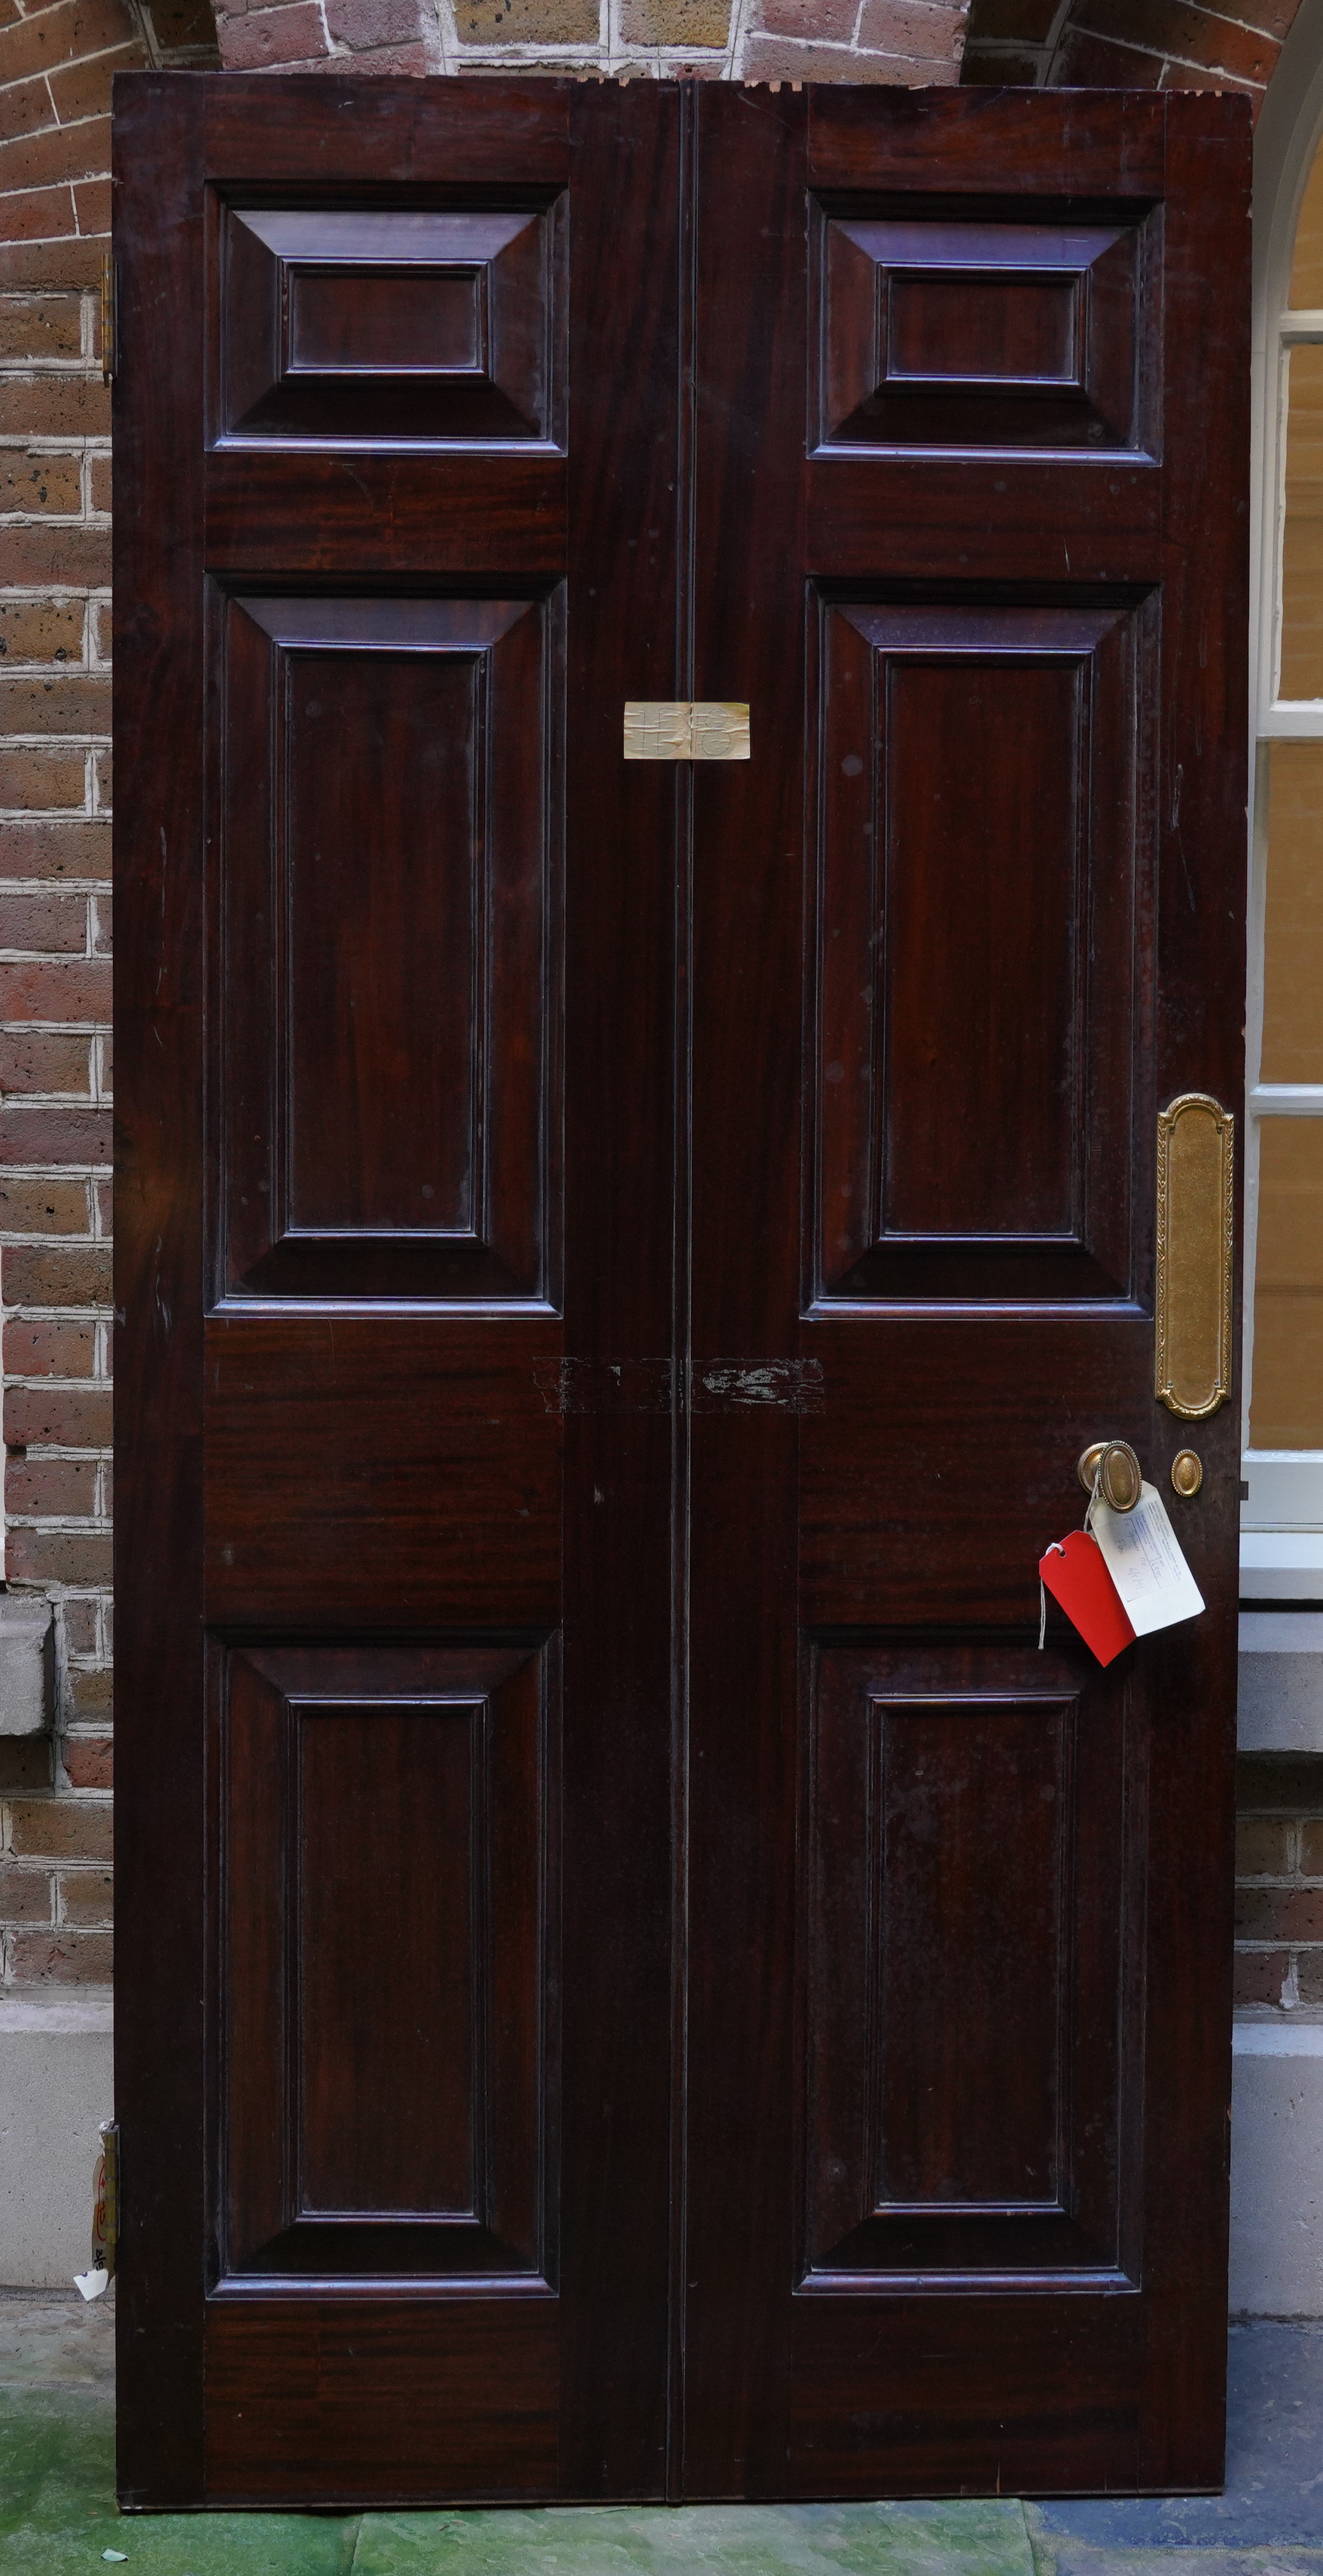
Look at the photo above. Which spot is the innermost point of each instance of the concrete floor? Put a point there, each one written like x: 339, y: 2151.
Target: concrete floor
x: 58, y: 2515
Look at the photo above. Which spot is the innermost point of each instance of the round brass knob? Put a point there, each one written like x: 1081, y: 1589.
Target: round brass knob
x: 1187, y: 1472
x: 1113, y: 1466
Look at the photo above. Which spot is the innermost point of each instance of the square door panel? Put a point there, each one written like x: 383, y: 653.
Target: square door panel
x: 387, y: 910
x: 983, y: 818
x: 952, y: 330
x: 387, y: 1974
x: 372, y: 325
x: 975, y: 1859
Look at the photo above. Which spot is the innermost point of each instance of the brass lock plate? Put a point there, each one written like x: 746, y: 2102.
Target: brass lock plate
x: 685, y: 729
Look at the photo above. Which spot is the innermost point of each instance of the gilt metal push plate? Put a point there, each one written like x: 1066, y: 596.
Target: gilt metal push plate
x: 680, y: 729
x: 1196, y: 1137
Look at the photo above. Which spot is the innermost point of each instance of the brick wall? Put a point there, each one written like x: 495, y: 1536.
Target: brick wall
x: 56, y: 67
x: 1279, y: 1882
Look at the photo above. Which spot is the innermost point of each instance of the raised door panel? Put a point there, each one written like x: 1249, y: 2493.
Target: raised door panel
x: 973, y: 1901
x: 982, y: 876
x: 387, y: 907
x: 388, y: 1961
x: 348, y: 325
x: 954, y: 329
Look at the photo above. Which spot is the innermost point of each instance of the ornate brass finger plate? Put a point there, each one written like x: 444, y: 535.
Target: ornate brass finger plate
x: 1192, y: 1303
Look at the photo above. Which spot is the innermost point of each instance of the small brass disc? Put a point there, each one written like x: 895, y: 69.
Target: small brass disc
x: 1187, y: 1472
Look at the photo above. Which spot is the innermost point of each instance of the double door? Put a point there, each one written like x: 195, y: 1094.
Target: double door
x: 639, y: 1976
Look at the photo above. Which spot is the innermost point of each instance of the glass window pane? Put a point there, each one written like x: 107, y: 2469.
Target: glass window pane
x: 1286, y: 1409
x: 1293, y: 926
x: 1307, y: 265
x: 1302, y: 537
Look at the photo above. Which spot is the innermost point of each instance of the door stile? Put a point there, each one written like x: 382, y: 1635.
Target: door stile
x: 160, y: 1826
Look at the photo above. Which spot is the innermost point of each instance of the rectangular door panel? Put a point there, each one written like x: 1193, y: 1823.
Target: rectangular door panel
x: 976, y: 1870
x: 388, y: 1820
x: 389, y: 885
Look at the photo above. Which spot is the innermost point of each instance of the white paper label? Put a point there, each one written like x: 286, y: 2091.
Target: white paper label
x: 1145, y: 1563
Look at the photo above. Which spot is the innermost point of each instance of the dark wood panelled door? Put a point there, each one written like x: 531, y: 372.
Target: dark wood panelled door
x: 668, y: 1991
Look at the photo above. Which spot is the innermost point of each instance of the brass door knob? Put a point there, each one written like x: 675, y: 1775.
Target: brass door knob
x: 1112, y: 1466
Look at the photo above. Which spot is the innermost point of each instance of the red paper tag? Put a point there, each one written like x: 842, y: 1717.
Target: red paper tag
x: 1077, y: 1577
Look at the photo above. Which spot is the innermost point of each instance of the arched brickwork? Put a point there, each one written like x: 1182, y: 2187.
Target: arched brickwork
x: 57, y: 61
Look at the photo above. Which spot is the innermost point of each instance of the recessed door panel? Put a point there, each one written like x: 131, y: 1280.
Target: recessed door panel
x: 965, y: 331
x: 387, y: 920
x: 375, y: 326
x: 389, y: 1959
x: 971, y: 1889
x: 983, y: 860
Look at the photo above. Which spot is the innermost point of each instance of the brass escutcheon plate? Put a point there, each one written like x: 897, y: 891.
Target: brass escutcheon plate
x: 1187, y: 1472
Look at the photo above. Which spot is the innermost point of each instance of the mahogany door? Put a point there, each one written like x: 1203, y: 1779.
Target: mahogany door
x: 637, y: 1977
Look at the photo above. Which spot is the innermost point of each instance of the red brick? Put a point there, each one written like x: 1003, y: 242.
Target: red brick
x: 48, y: 1349
x: 102, y: 766
x: 45, y: 484
x: 44, y: 1274
x: 1184, y: 76
x: 1311, y: 1849
x: 60, y: 1489
x: 1029, y: 21
x: 1259, y: 1975
x: 73, y: 1417
x: 41, y: 327
x: 84, y: 89
x: 369, y: 24
x: 908, y: 27
x: 102, y: 924
x: 93, y: 202
x: 1193, y: 35
x: 39, y: 214
x: 292, y: 34
x: 100, y: 485
x: 44, y: 923
x: 55, y: 264
x: 26, y: 1895
x: 42, y: 1207
x: 1089, y: 62
x: 55, y: 849
x: 57, y: 152
x: 66, y: 33
x: 821, y: 18
x: 76, y: 558
x: 35, y: 1060
x: 30, y: 1133
x: 58, y: 1556
x: 51, y: 989
x: 1279, y: 1914
x: 61, y: 1828
x: 105, y: 1203
x: 24, y: 1764
x: 1310, y: 1976
x: 89, y: 1760
x: 63, y: 1958
x: 1262, y: 1847
x: 86, y: 1895
x: 25, y: 105
x: 54, y: 407
x: 44, y: 779
x: 79, y: 1626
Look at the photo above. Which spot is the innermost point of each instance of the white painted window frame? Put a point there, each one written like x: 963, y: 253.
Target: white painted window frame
x: 1282, y: 1518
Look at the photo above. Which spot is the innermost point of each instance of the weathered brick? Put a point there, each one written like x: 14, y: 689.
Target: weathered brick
x: 292, y: 34
x: 25, y: 1765
x: 105, y: 1207
x: 89, y: 1760
x: 827, y: 20
x: 99, y: 483
x: 367, y: 24
x: 54, y: 264
x: 91, y: 1692
x: 42, y: 1207
x: 64, y: 1958
x: 998, y: 70
x: 1089, y: 62
x: 45, y: 779
x: 92, y: 202
x: 30, y: 1133
x: 1279, y: 1914
x: 75, y: 1417
x: 79, y: 1626
x: 1309, y: 1976
x: 675, y: 22
x: 76, y: 558
x: 25, y: 104
x: 59, y: 1556
x: 26, y: 1895
x: 104, y: 768
x: 52, y: 988
x: 38, y: 212
x: 1259, y: 1976
x: 83, y: 89
x: 46, y: 1274
x: 66, y: 847
x: 61, y: 1828
x: 63, y: 702
x: 527, y: 22
x: 41, y: 328
x: 1262, y: 1847
x: 53, y: 407
x: 1029, y: 20
x: 62, y: 1489
x: 41, y: 630
x: 1193, y: 35
x: 48, y: 924
x: 86, y: 1895
x: 56, y: 152
x: 1311, y: 1849
x: 37, y: 1349
x: 41, y: 1060
x: 913, y: 29
x: 73, y: 29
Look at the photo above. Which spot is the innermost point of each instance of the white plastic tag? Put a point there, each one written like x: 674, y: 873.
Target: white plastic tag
x: 1144, y: 1560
